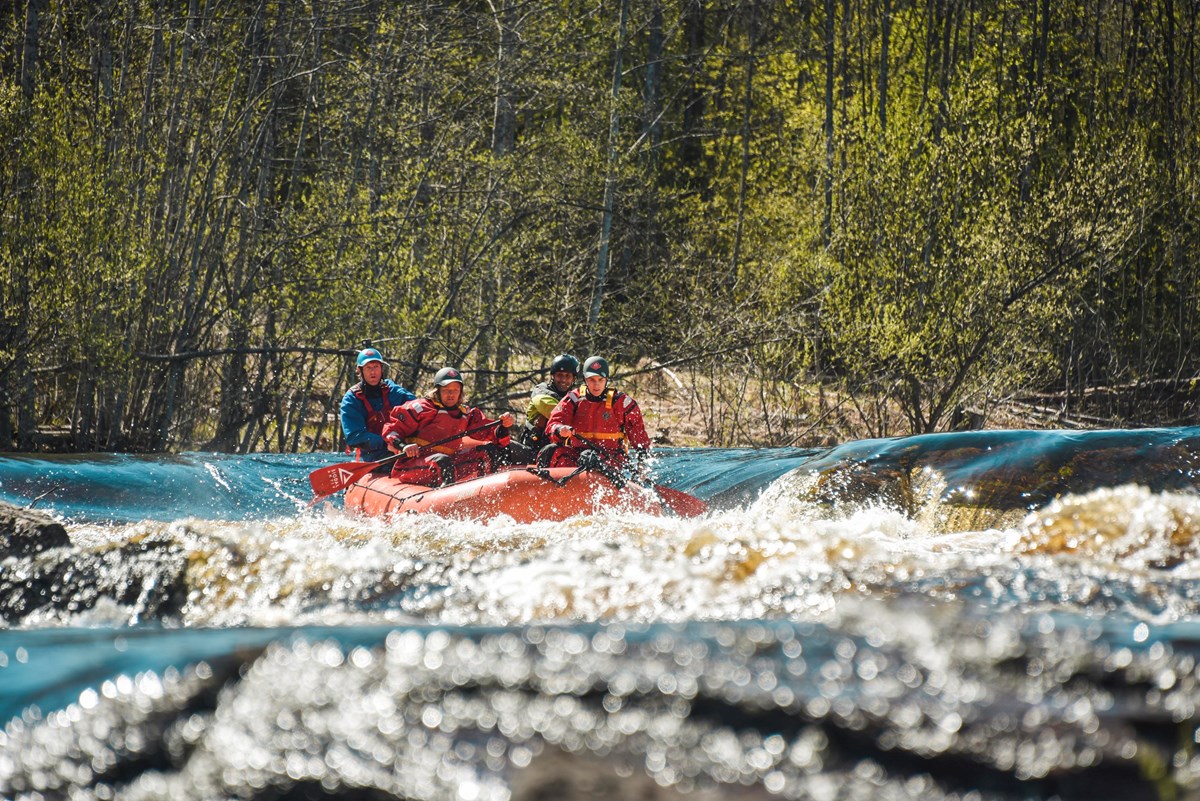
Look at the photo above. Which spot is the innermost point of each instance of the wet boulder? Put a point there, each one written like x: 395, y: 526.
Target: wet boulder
x: 146, y: 579
x: 41, y: 571
x: 24, y: 532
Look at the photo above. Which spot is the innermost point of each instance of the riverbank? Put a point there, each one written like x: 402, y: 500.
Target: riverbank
x: 689, y: 409
x: 693, y: 408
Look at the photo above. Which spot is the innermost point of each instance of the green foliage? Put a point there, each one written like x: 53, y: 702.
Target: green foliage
x: 203, y: 215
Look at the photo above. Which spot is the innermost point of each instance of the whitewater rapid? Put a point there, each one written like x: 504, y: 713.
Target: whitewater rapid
x: 986, y: 615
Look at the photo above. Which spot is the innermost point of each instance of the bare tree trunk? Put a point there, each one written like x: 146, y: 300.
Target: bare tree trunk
x: 29, y: 52
x: 299, y: 411
x: 827, y: 220
x: 885, y: 38
x: 329, y: 413
x: 691, y: 151
x: 422, y: 200
x: 230, y: 412
x: 82, y: 410
x: 504, y: 133
x: 1036, y: 64
x: 610, y: 182
x: 19, y: 380
x: 173, y: 196
x: 1170, y: 95
x: 22, y: 380
x: 747, y: 112
x: 6, y: 425
x: 504, y: 125
x: 652, y: 131
x: 654, y: 56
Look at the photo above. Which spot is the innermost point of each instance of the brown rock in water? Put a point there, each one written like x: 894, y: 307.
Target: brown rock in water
x: 24, y: 532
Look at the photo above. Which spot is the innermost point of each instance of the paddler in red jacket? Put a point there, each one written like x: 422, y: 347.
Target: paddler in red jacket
x: 440, y: 415
x: 607, y: 418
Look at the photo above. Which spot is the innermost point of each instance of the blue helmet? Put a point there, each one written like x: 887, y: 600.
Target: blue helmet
x: 368, y: 355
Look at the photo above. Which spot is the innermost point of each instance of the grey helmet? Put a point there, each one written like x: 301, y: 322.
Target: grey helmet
x: 447, y: 375
x: 595, y: 365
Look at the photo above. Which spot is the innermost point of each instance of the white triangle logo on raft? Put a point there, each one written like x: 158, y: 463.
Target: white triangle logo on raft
x: 344, y: 476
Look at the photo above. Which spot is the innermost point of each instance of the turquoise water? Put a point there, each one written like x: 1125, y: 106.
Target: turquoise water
x: 985, y: 614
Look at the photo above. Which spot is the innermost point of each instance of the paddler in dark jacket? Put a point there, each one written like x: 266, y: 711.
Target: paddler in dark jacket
x: 367, y: 406
x: 564, y: 372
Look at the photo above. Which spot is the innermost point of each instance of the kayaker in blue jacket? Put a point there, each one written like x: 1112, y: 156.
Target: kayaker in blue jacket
x: 367, y: 406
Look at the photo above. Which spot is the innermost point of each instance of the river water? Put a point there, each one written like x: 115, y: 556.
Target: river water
x: 982, y: 615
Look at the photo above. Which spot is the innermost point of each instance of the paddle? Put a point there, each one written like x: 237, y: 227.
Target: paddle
x: 679, y: 502
x: 334, y: 478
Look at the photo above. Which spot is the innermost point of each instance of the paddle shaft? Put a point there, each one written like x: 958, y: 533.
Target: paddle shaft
x: 329, y: 480
x: 430, y: 446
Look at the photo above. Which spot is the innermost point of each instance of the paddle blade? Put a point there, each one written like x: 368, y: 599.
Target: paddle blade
x: 680, y: 502
x: 336, y: 477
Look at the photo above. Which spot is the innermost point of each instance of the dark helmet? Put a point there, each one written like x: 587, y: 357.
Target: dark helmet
x: 368, y: 355
x: 565, y: 363
x: 595, y: 365
x: 447, y: 375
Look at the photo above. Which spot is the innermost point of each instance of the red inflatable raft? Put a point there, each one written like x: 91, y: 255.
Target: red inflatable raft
x: 522, y: 494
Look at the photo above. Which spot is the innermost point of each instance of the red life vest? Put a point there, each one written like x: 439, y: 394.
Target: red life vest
x: 436, y: 422
x: 608, y: 421
x: 376, y: 419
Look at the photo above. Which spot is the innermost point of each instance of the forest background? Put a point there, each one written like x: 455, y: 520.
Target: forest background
x: 784, y: 221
